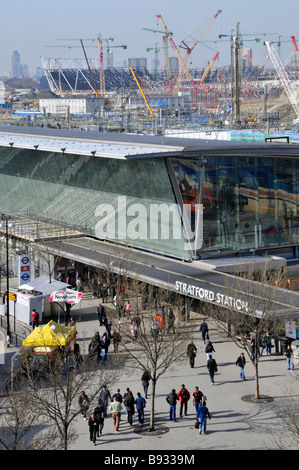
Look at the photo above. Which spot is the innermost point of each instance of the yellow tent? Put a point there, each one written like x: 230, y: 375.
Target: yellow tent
x: 50, y: 335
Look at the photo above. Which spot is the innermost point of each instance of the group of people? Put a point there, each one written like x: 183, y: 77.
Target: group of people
x: 115, y: 403
x: 199, y: 402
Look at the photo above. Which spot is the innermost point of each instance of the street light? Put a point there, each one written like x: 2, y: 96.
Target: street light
x: 5, y: 224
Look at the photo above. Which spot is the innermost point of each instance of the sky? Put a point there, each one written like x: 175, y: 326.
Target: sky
x: 31, y: 26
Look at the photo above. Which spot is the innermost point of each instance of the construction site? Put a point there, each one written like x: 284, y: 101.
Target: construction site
x: 90, y: 94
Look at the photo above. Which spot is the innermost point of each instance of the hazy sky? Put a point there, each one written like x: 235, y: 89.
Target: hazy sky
x: 29, y: 26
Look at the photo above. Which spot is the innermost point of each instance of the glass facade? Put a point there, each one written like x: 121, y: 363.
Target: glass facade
x: 107, y: 198
x: 249, y: 202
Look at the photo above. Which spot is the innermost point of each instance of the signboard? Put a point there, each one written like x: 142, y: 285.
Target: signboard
x: 211, y: 296
x: 24, y: 269
x: 68, y: 297
x: 290, y: 329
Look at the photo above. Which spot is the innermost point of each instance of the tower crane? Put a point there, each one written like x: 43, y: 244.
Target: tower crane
x: 176, y: 51
x: 190, y: 49
x: 157, y: 50
x: 286, y: 82
x: 165, y: 47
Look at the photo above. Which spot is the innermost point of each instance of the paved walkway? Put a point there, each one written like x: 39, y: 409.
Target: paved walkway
x: 235, y: 424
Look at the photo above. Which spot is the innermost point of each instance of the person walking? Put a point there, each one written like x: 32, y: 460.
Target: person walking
x: 129, y: 403
x: 202, y: 415
x: 209, y: 349
x: 118, y: 396
x: 184, y: 396
x: 104, y: 397
x: 203, y: 329
x: 140, y: 405
x: 93, y: 428
x: 240, y: 362
x: 198, y: 398
x: 170, y: 320
x: 172, y: 400
x: 101, y: 314
x: 212, y: 368
x: 116, y: 407
x: 145, y: 382
x: 267, y: 338
x: 116, y: 338
x: 83, y: 404
x: 99, y: 413
x: 289, y: 356
x: 35, y: 318
x: 191, y: 353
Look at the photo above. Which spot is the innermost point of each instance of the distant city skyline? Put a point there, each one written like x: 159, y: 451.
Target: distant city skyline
x: 38, y: 29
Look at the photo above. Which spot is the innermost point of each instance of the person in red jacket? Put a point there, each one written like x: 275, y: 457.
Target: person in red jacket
x: 184, y: 397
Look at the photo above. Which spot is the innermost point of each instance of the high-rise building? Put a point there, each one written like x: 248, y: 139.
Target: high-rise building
x: 137, y: 63
x: 19, y: 70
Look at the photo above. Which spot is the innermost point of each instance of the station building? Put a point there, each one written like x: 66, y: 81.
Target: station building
x: 248, y: 192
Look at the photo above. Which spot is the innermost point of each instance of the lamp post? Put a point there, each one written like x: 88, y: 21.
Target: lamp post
x: 6, y: 225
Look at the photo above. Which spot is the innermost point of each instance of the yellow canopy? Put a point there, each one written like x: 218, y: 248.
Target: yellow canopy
x: 50, y: 335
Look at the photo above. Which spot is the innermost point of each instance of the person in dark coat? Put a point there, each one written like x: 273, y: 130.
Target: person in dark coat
x: 240, y: 362
x: 209, y: 349
x: 212, y: 368
x: 129, y: 403
x: 191, y: 353
x: 145, y: 382
x: 172, y: 400
x: 99, y: 413
x: 93, y: 428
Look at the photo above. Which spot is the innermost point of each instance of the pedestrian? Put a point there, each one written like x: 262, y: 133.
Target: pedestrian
x: 118, y: 396
x: 133, y: 330
x: 212, y: 368
x: 116, y: 338
x: 289, y: 356
x: 170, y: 320
x: 202, y: 415
x: 172, y: 400
x: 73, y: 321
x: 140, y: 405
x: 104, y: 397
x: 209, y: 349
x: 104, y: 345
x: 101, y: 314
x: 203, y: 329
x: 83, y: 404
x: 116, y: 407
x: 198, y: 398
x: 145, y: 381
x: 184, y: 396
x: 267, y: 342
x: 191, y: 353
x: 93, y: 428
x: 128, y: 308
x: 99, y: 413
x: 240, y: 362
x: 129, y: 403
x: 35, y: 318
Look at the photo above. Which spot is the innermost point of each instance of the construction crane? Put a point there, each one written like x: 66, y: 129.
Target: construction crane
x: 190, y: 49
x: 157, y: 50
x: 283, y: 76
x: 165, y: 47
x: 143, y: 95
x: 102, y: 70
x: 279, y: 42
x: 94, y: 83
x: 296, y: 50
x: 216, y: 56
x: 176, y: 51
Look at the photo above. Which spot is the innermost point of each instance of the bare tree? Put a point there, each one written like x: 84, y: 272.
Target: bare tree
x: 55, y: 389
x: 288, y: 411
x: 260, y: 292
x: 156, y: 345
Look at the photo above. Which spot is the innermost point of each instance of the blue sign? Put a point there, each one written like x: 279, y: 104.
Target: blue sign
x: 25, y: 277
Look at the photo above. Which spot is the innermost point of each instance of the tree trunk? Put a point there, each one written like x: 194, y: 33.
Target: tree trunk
x: 256, y: 378
x: 152, y: 417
